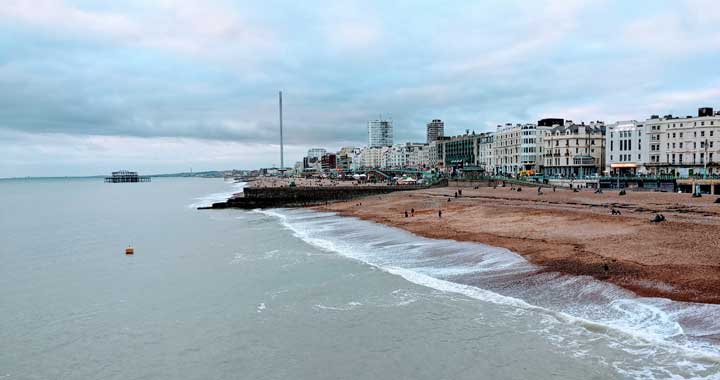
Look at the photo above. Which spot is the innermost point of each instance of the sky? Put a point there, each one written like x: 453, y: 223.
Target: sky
x: 159, y: 86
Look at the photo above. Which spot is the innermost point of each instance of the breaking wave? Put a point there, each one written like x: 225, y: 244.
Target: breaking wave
x: 670, y: 339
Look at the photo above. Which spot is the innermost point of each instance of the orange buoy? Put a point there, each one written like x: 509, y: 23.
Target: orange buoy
x: 129, y: 250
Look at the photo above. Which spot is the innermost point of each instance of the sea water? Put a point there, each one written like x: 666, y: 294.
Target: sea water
x: 298, y: 294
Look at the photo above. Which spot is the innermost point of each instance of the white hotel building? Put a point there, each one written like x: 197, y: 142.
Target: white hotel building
x: 625, y: 148
x: 680, y: 146
x: 684, y: 146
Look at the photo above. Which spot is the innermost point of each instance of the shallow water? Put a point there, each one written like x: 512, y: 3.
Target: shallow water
x: 298, y: 294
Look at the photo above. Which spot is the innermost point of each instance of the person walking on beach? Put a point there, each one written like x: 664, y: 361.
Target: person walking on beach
x: 406, y: 213
x: 412, y: 211
x: 440, y: 214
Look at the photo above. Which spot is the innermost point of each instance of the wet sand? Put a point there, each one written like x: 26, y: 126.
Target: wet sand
x: 574, y: 233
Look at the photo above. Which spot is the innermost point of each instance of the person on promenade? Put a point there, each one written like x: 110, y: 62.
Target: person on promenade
x: 439, y: 213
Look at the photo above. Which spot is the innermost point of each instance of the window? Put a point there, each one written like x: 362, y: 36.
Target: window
x: 702, y: 133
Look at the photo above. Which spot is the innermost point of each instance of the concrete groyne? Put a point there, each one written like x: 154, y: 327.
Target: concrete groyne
x: 269, y: 197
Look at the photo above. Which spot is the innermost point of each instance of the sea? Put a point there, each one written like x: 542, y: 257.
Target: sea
x: 300, y: 294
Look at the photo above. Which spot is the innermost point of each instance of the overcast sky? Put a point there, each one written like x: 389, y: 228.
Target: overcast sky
x: 87, y: 87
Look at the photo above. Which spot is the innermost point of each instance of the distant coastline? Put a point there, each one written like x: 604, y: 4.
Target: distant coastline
x: 205, y: 174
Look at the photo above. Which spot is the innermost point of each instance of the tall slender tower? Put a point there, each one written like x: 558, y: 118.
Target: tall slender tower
x: 282, y: 154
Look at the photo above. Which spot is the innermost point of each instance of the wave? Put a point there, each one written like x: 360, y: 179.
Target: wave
x: 208, y: 200
x: 654, y: 328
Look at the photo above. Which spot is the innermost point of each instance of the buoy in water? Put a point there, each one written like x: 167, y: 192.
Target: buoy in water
x: 129, y: 250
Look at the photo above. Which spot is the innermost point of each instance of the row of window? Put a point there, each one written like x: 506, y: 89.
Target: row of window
x: 674, y: 125
x: 680, y: 145
x: 702, y: 134
x: 625, y: 134
x: 624, y: 145
x: 694, y: 156
x: 626, y: 157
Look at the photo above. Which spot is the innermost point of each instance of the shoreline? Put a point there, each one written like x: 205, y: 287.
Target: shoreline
x: 573, y: 233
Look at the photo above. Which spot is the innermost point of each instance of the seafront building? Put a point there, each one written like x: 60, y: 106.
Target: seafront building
x: 468, y: 150
x: 372, y: 157
x: 683, y: 146
x: 316, y: 153
x: 625, y: 148
x: 345, y: 157
x: 507, y: 149
x: 380, y: 133
x: 529, y: 147
x: 417, y: 155
x: 485, y: 156
x: 328, y: 162
x: 574, y: 150
x: 668, y: 145
x: 435, y: 130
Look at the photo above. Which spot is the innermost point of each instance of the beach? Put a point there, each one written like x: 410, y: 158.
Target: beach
x: 573, y: 232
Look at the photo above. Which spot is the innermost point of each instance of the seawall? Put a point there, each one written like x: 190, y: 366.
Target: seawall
x: 269, y: 197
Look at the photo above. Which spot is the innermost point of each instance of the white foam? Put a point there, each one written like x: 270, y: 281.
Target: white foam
x: 346, y: 307
x: 209, y: 199
x: 646, y: 324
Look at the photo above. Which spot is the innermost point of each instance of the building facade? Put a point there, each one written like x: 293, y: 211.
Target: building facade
x: 574, y: 150
x: 380, y: 133
x: 529, y: 157
x: 485, y: 157
x: 316, y: 153
x: 684, y: 146
x: 328, y: 162
x: 507, y: 149
x: 435, y: 130
x: 417, y: 155
x: 373, y: 157
x: 468, y: 150
x: 625, y: 148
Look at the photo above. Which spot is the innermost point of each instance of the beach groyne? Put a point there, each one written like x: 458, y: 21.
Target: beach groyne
x: 269, y: 197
